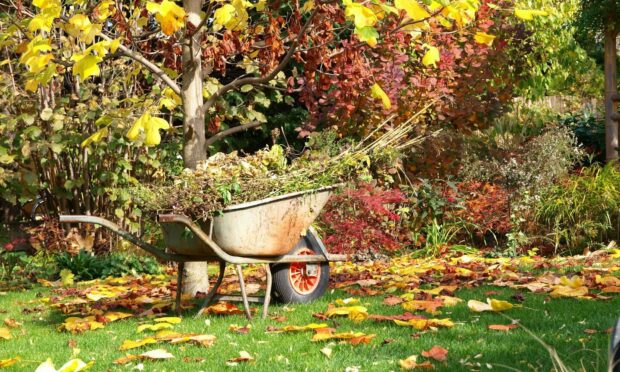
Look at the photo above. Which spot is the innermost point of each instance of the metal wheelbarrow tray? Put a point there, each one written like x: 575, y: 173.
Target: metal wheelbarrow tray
x: 274, y: 232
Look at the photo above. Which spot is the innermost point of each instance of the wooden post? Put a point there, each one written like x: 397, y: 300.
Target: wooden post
x: 611, y: 107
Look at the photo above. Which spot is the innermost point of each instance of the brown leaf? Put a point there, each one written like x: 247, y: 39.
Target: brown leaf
x: 12, y: 323
x: 590, y: 331
x: 503, y: 327
x: 404, y: 317
x: 392, y: 300
x: 72, y: 343
x: 436, y: 352
x: 222, y: 308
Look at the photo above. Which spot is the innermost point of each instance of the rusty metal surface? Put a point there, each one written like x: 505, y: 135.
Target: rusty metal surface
x: 267, y: 228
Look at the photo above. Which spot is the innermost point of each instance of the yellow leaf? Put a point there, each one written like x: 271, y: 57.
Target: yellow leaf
x: 94, y: 138
x: 347, y: 301
x: 412, y: 363
x: 170, y: 16
x: 566, y: 291
x: 499, y: 305
x: 355, y: 313
x: 75, y: 365
x: 431, y: 56
x: 151, y: 129
x: 367, y: 34
x: 44, y: 20
x: 224, y: 14
x: 66, y: 276
x: 414, y: 10
x: 308, y: 6
x: 116, y: 315
x: 138, y: 126
x: 86, y: 65
x: 529, y: 14
x: 484, y: 38
x: 103, y: 10
x: 9, y: 362
x: 154, y: 327
x: 5, y: 333
x: 422, y: 324
x: 292, y: 328
x: 362, y: 15
x: 377, y: 92
x: 129, y: 344
x: 574, y: 282
x: 169, y: 319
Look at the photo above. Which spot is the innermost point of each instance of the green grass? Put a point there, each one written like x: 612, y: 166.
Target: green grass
x: 559, y: 322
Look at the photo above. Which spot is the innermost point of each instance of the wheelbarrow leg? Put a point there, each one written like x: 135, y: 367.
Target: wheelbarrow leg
x: 244, y: 295
x: 267, y: 292
x: 177, y: 302
x: 213, y: 290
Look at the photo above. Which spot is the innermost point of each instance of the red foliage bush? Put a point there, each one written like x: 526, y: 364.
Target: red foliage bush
x: 364, y: 219
x: 485, y: 205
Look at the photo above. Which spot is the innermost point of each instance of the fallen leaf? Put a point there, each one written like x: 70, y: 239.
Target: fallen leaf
x: 168, y: 319
x: 244, y: 356
x: 412, y: 363
x: 436, y: 352
x: 222, y: 308
x: 239, y: 329
x: 157, y: 354
x: 154, y: 327
x: 129, y: 344
x: 326, y: 351
x: 347, y: 302
x: 422, y: 324
x: 392, y: 300
x: 355, y: 313
x: 292, y: 328
x: 354, y: 338
x: 12, y: 323
x: 590, y: 331
x: 430, y: 306
x: 5, y: 333
x: 491, y: 305
x: 502, y: 327
x: 9, y: 362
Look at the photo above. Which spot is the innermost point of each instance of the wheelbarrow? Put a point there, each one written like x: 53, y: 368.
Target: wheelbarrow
x: 274, y: 232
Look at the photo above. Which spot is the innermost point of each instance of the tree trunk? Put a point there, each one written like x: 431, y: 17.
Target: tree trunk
x: 195, y: 276
x: 611, y: 126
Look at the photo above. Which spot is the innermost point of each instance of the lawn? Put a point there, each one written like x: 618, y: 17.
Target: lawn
x: 574, y: 327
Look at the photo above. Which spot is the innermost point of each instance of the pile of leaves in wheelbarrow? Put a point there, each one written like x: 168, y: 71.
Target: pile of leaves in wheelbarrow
x: 227, y: 179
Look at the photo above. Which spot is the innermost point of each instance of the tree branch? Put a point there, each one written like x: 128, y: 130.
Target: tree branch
x: 140, y: 59
x: 148, y: 64
x: 227, y: 132
x: 235, y: 84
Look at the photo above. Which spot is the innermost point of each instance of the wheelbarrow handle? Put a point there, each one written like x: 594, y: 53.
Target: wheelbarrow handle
x: 114, y: 228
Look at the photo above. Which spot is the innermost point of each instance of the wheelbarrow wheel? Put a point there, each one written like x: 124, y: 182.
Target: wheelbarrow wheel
x: 300, y: 282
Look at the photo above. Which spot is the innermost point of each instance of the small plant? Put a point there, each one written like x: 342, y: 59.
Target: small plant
x: 582, y: 209
x: 85, y: 266
x: 438, y: 237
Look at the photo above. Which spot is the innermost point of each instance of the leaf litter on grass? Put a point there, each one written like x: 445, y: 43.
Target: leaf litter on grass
x: 417, y: 286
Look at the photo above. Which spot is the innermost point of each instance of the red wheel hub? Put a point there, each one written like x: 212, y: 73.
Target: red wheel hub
x: 304, y: 277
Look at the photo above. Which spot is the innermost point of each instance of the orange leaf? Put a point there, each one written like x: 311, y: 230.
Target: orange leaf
x: 502, y: 327
x: 436, y: 352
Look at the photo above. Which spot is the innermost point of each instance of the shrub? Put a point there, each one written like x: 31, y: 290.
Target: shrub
x: 85, y: 266
x: 521, y: 163
x: 583, y: 208
x: 484, y: 209
x: 364, y: 219
x: 589, y: 130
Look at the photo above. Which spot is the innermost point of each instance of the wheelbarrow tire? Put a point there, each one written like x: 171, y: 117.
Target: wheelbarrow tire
x: 288, y: 287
